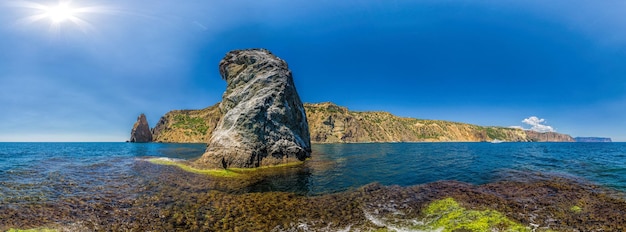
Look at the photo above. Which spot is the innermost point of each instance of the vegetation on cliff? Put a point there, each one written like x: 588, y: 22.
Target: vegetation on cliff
x: 187, y: 126
x: 330, y: 123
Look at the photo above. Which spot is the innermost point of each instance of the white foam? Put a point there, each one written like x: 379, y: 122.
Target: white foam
x: 160, y: 159
x: 382, y: 223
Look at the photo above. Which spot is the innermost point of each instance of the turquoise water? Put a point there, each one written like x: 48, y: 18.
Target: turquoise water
x: 47, y: 171
x: 408, y: 164
x: 112, y: 187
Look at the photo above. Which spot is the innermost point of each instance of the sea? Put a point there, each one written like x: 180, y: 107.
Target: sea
x: 112, y: 186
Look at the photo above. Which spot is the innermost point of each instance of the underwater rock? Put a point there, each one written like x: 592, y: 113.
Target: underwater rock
x: 263, y: 122
x: 141, y: 131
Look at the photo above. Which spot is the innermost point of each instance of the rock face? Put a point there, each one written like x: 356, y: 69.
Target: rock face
x: 263, y: 122
x: 187, y: 126
x: 141, y: 131
x: 330, y: 123
x: 548, y: 137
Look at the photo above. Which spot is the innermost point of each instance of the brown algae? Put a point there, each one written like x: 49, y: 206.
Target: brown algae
x: 32, y: 230
x: 170, y: 199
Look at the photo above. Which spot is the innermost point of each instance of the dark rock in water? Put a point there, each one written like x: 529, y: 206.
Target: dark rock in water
x: 141, y: 131
x: 264, y: 122
x: 593, y: 140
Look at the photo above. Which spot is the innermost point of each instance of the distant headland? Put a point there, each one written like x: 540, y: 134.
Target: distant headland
x: 330, y: 123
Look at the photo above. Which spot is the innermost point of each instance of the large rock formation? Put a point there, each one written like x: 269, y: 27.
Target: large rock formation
x: 264, y: 122
x: 141, y: 131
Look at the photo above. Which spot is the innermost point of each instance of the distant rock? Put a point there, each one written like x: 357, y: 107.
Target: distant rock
x: 593, y: 140
x: 548, y: 137
x: 141, y: 131
x: 264, y: 122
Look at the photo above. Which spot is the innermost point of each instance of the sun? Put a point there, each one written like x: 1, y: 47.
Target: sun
x: 63, y: 13
x: 60, y: 13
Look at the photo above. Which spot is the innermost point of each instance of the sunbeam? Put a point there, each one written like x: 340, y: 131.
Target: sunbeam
x: 63, y: 13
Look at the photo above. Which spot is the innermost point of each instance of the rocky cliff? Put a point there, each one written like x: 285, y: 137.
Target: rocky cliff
x: 188, y: 126
x: 548, y: 137
x: 329, y: 123
x: 141, y: 131
x: 263, y: 121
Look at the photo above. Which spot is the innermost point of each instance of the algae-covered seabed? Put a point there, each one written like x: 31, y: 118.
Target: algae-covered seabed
x: 170, y: 199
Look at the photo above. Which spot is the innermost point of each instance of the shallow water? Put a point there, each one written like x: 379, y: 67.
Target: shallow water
x: 110, y: 186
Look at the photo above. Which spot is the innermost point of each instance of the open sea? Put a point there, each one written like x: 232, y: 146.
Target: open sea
x: 112, y: 186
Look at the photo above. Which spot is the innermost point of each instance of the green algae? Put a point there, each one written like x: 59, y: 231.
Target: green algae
x: 186, y: 167
x: 576, y: 209
x: 448, y: 215
x: 229, y: 172
x: 267, y: 167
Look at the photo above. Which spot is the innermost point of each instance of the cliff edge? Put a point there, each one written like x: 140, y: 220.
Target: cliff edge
x: 330, y: 123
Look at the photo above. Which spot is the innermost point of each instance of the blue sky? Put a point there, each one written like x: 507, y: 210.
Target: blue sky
x: 481, y: 62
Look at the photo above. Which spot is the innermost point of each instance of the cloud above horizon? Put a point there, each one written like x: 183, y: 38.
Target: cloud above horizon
x: 538, y: 124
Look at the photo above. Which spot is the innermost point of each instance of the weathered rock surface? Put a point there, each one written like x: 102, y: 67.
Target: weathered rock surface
x: 141, y: 131
x: 264, y: 122
x: 548, y: 137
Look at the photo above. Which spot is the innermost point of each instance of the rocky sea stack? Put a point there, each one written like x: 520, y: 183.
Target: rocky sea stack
x: 263, y: 122
x: 141, y: 131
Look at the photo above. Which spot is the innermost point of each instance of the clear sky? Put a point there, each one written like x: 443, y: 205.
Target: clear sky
x: 84, y: 71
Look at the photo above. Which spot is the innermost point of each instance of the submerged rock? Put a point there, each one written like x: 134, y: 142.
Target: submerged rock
x: 264, y: 122
x: 141, y: 131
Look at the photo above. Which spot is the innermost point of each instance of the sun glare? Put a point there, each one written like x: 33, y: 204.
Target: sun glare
x: 62, y: 13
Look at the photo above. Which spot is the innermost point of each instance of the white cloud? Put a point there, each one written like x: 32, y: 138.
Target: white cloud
x: 537, y: 124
